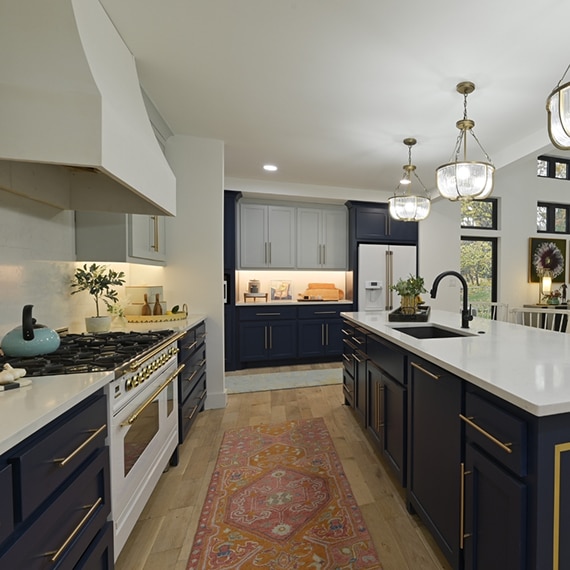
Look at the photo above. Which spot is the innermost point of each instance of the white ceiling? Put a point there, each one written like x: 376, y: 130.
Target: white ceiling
x: 328, y: 89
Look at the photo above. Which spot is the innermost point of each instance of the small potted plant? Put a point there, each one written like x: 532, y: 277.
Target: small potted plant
x: 409, y: 290
x: 99, y: 282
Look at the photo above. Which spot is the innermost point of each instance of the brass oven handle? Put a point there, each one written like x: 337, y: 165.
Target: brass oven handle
x: 55, y: 555
x: 132, y: 419
x: 137, y: 363
x: 462, y: 535
x: 504, y: 446
x: 430, y: 374
x: 63, y: 461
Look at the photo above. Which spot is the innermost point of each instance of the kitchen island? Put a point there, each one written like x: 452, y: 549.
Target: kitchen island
x: 477, y: 429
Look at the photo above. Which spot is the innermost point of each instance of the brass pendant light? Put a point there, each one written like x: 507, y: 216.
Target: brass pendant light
x: 558, y: 110
x: 465, y: 179
x: 407, y: 206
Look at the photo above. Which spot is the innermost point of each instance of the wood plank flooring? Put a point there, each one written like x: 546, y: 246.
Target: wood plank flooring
x: 163, y: 536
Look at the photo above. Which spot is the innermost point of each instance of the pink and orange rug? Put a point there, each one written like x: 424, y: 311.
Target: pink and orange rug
x: 279, y: 499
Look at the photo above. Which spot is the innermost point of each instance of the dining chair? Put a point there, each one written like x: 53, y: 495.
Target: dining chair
x: 542, y: 318
x: 491, y: 310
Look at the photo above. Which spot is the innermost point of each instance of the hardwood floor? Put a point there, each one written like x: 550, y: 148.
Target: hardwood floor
x: 163, y: 536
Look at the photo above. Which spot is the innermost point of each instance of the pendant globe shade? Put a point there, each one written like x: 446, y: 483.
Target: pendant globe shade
x: 558, y: 110
x: 406, y: 206
x: 463, y: 179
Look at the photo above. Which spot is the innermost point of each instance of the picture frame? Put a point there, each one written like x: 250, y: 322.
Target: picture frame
x: 281, y: 290
x: 547, y: 254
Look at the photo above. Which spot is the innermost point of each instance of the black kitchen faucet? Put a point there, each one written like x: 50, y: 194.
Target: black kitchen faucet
x: 466, y: 315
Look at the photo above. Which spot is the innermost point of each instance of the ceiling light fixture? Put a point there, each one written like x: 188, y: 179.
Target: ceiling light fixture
x: 407, y: 206
x: 465, y: 179
x: 269, y: 167
x: 558, y: 109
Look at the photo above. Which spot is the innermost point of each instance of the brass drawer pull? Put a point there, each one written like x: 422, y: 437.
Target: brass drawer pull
x: 132, y: 419
x: 55, y: 555
x: 64, y: 461
x: 347, y: 358
x: 191, y: 346
x: 504, y: 446
x: 357, y: 359
x: 348, y: 333
x: 357, y: 340
x: 462, y: 535
x: 430, y: 374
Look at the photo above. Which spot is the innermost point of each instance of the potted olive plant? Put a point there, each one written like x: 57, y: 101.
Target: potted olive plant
x: 409, y: 290
x: 99, y: 282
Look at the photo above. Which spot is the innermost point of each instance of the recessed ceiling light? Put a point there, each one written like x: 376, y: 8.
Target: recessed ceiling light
x: 269, y: 167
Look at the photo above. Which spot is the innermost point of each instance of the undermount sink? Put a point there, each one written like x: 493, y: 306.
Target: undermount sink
x: 431, y: 331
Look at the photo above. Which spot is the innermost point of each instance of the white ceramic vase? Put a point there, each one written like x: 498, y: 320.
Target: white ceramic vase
x: 98, y: 324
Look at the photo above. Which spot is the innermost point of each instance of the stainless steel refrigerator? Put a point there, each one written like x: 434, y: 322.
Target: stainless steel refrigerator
x: 380, y: 266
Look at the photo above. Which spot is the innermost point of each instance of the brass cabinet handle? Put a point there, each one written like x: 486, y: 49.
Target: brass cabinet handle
x: 422, y: 369
x: 504, y: 446
x: 347, y: 358
x: 325, y: 313
x: 345, y: 332
x: 357, y: 359
x: 462, y: 535
x: 357, y: 340
x: 267, y: 314
x: 132, y: 419
x: 327, y: 334
x: 155, y: 245
x: 55, y: 555
x: 191, y: 346
x: 64, y: 461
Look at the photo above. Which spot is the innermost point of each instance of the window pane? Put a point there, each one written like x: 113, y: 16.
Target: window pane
x: 560, y: 220
x: 542, y: 168
x: 478, y: 214
x: 541, y: 218
x: 477, y: 265
x: 560, y: 170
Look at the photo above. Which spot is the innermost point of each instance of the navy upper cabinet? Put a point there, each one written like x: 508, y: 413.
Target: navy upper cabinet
x: 370, y: 222
x: 230, y: 208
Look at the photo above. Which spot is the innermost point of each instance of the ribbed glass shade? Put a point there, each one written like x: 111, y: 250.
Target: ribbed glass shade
x: 409, y: 208
x: 465, y: 180
x: 558, y: 108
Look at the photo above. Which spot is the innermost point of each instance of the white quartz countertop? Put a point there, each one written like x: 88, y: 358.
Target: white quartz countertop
x: 25, y: 410
x: 525, y: 366
x: 260, y: 302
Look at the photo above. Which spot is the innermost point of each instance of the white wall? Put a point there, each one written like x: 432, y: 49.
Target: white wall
x: 195, y: 252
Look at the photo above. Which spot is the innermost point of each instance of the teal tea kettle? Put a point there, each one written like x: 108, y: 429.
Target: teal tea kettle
x: 30, y: 339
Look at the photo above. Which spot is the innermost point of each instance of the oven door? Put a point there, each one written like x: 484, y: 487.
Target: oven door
x: 144, y: 435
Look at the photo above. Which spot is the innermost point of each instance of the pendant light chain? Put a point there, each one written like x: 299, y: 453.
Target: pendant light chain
x: 563, y: 76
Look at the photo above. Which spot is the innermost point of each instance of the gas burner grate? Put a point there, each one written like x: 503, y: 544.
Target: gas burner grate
x: 79, y: 353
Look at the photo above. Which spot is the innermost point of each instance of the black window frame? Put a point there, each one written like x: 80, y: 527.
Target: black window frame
x: 551, y: 208
x: 551, y: 162
x: 494, y: 216
x: 495, y: 262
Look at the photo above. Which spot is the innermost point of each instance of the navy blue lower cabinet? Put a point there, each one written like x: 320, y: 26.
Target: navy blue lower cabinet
x: 267, y: 340
x: 318, y: 337
x: 495, y: 515
x: 434, y: 452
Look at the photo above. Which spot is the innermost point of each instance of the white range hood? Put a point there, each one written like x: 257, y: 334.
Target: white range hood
x: 74, y: 131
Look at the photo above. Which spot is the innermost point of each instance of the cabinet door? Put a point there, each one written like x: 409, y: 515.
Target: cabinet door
x: 334, y: 239
x: 282, y: 339
x: 372, y: 223
x: 394, y: 442
x: 311, y: 337
x: 281, y: 237
x: 360, y: 382
x: 434, y: 448
x: 229, y: 337
x: 252, y: 341
x: 309, y: 246
x: 495, y: 515
x: 253, y: 235
x: 147, y: 237
x: 334, y: 335
x: 375, y: 402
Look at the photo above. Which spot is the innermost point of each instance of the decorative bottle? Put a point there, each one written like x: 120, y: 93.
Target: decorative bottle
x: 157, y: 306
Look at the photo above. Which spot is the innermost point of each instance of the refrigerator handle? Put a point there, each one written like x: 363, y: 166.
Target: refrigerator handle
x: 389, y: 279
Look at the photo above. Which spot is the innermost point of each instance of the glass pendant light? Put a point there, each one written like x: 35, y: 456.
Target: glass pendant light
x: 465, y: 179
x: 407, y: 206
x: 558, y: 109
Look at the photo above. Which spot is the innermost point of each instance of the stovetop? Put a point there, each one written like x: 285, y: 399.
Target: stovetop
x: 79, y: 353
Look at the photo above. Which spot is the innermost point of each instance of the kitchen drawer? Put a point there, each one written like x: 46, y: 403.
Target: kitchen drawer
x: 55, y: 452
x: 99, y: 555
x: 347, y: 329
x: 359, y: 338
x: 387, y: 357
x: 190, y: 408
x: 266, y: 312
x: 194, y: 367
x: 191, y: 341
x: 348, y: 387
x: 497, y: 431
x: 324, y: 311
x: 6, y: 503
x: 77, y: 514
x: 348, y: 357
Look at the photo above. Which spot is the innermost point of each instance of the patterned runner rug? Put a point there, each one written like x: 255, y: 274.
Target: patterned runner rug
x: 279, y: 500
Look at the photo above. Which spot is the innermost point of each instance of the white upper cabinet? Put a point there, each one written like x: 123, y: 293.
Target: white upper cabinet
x: 322, y: 238
x: 267, y: 236
x: 134, y: 238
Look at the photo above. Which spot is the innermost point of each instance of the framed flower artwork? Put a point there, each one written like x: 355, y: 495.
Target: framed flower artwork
x: 547, y: 254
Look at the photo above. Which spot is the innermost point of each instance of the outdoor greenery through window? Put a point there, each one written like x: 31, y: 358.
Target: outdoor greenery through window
x: 481, y: 214
x: 552, y: 218
x: 553, y: 167
x: 479, y: 267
